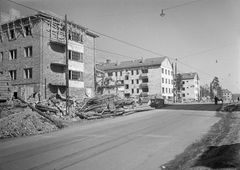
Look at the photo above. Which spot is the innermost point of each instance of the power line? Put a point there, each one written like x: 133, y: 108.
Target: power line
x: 122, y: 41
x: 207, y: 50
x: 108, y: 36
x: 180, y: 5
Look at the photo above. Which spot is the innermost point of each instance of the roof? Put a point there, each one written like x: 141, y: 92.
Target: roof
x: 187, y: 76
x: 56, y: 18
x: 225, y: 91
x: 132, y: 64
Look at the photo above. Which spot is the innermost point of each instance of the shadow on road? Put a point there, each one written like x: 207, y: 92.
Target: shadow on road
x: 204, y: 107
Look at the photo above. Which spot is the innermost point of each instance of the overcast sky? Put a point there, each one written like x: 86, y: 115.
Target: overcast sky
x: 203, y: 35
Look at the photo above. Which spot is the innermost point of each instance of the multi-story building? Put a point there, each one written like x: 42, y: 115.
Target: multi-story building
x: 190, y: 87
x: 149, y: 77
x: 227, y: 95
x: 33, y: 52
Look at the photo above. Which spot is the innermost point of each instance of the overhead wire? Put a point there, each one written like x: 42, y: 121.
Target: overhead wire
x: 125, y: 42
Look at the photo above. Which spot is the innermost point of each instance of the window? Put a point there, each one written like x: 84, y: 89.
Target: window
x: 145, y: 80
x: 1, y: 56
x: 116, y: 73
x: 132, y: 72
x: 75, y: 56
x: 132, y: 91
x: 137, y: 81
x: 163, y: 70
x: 75, y: 36
x: 166, y: 90
x: 145, y: 71
x: 145, y: 90
x: 166, y: 71
x: 171, y: 72
x: 75, y: 75
x: 12, y: 54
x: 120, y: 73
x: 168, y: 81
x: 13, y: 74
x: 169, y: 90
x: 137, y: 90
x: 163, y: 90
x: 183, y: 82
x: 27, y: 73
x: 12, y: 34
x: 126, y: 77
x: 183, y: 88
x: 28, y: 51
x: 137, y: 72
x: 126, y: 86
x: 162, y: 80
x: 27, y: 29
x: 110, y: 74
x: 183, y: 95
x: 132, y: 81
x: 171, y: 81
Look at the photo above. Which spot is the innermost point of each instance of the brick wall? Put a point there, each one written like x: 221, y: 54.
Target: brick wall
x: 22, y: 62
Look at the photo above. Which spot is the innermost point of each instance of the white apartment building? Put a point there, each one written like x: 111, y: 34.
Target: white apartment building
x: 144, y: 78
x: 191, y: 87
x: 227, y: 95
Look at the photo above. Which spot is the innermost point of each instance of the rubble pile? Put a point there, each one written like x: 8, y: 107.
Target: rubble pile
x: 24, y: 123
x: 102, y: 106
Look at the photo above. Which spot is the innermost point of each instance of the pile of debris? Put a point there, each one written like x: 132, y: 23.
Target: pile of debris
x: 103, y: 106
x: 24, y: 123
x: 97, y: 107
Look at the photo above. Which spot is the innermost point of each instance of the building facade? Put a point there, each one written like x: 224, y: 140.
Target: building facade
x: 144, y: 78
x: 33, y: 52
x: 190, y: 87
x: 227, y: 95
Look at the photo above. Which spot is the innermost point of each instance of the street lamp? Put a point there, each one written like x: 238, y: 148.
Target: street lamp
x: 162, y: 13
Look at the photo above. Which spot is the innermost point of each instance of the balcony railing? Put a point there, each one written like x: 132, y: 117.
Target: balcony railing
x: 143, y: 85
x: 143, y: 76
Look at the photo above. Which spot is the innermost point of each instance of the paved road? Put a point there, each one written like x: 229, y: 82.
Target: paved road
x: 144, y: 140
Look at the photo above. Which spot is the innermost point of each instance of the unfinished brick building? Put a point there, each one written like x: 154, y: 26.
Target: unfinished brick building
x: 32, y: 51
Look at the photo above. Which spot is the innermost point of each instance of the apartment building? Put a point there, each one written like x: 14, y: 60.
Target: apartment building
x: 227, y: 95
x: 32, y: 51
x: 148, y: 77
x: 191, y: 87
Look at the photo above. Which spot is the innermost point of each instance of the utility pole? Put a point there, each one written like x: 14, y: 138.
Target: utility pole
x: 94, y: 62
x: 175, y: 77
x: 66, y: 71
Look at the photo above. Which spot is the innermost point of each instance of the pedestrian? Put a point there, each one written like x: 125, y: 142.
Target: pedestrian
x: 216, y: 100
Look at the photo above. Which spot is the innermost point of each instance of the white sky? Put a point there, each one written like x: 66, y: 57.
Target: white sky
x: 203, y: 35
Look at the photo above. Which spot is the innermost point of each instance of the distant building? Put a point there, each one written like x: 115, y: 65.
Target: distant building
x: 227, y: 95
x: 191, y: 87
x: 144, y: 78
x: 32, y: 52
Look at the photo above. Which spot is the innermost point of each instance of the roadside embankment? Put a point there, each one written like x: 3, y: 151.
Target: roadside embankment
x: 219, y: 148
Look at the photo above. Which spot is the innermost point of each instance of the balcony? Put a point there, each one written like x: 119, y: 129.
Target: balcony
x: 143, y: 76
x: 58, y: 67
x: 144, y: 94
x: 143, y: 85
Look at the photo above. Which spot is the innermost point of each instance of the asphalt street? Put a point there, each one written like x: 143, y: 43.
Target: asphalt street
x: 140, y: 141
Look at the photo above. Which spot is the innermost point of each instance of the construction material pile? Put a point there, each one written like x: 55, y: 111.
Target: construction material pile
x: 102, y: 106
